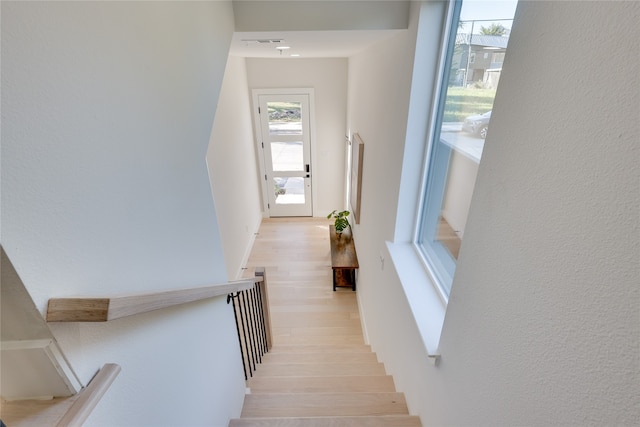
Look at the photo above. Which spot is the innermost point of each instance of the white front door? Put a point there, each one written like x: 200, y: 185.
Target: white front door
x: 286, y: 147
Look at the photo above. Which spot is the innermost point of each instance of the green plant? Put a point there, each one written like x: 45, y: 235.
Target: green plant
x: 341, y: 221
x: 279, y: 190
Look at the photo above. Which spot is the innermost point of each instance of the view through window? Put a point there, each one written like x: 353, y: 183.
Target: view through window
x: 285, y: 118
x: 475, y: 54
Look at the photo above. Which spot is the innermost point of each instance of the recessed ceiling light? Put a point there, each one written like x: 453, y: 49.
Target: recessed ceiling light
x: 295, y: 54
x: 283, y: 47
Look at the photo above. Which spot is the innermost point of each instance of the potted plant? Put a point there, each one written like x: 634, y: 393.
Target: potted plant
x: 341, y: 221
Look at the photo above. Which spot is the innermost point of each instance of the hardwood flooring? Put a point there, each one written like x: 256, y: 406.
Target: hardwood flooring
x: 319, y: 371
x: 448, y: 237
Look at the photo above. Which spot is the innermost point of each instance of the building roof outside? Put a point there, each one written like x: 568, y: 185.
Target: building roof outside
x: 482, y: 40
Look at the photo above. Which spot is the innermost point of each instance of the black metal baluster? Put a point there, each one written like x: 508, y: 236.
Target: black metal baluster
x: 231, y: 298
x: 245, y: 330
x: 249, y: 313
x: 245, y: 298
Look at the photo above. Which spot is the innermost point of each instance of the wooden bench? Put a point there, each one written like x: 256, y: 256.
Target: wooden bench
x: 344, y: 260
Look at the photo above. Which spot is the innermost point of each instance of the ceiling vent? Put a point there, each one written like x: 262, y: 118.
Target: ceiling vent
x: 262, y: 41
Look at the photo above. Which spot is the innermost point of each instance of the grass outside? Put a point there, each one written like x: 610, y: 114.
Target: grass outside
x: 278, y: 111
x: 282, y: 106
x: 462, y: 103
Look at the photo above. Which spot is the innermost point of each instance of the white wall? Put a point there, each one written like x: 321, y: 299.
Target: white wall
x: 328, y: 78
x: 461, y: 181
x: 323, y: 15
x: 542, y: 326
x: 233, y: 168
x: 20, y: 318
x: 379, y: 86
x: 107, y: 110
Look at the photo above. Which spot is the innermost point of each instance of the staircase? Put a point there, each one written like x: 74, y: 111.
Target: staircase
x: 319, y: 371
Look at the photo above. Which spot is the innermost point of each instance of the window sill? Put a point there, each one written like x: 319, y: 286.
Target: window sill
x: 467, y: 145
x: 425, y: 302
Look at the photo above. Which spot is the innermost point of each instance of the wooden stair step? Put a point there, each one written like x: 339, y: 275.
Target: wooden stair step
x: 317, y: 348
x: 325, y: 357
x: 323, y: 340
x: 317, y: 331
x: 317, y: 289
x: 323, y: 404
x: 318, y: 369
x: 338, y: 384
x: 380, y: 421
x: 315, y: 319
x: 339, y: 299
x: 320, y: 308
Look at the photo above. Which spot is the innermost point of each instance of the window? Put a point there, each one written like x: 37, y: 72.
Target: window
x: 461, y: 115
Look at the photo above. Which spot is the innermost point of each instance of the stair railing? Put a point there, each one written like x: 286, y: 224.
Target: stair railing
x: 103, y: 309
x: 253, y: 322
x: 250, y: 292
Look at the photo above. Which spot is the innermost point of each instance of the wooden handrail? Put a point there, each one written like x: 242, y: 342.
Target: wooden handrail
x: 102, y: 309
x: 89, y: 397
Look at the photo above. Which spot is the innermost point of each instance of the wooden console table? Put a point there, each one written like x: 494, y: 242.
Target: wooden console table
x: 344, y: 260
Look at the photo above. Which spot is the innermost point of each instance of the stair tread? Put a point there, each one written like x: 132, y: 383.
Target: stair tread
x: 381, y: 383
x: 315, y: 319
x: 323, y: 339
x: 318, y: 369
x: 347, y: 421
x: 317, y: 348
x: 318, y: 331
x: 324, y: 357
x: 323, y: 404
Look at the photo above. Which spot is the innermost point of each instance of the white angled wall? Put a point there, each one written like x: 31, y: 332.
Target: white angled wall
x: 542, y: 325
x: 233, y: 168
x: 107, y: 111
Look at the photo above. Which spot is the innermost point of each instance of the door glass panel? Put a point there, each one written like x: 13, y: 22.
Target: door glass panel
x: 287, y: 156
x: 285, y: 118
x: 285, y: 142
x: 289, y: 190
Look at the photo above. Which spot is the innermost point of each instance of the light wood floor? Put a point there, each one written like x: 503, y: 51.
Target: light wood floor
x: 319, y: 371
x: 449, y: 238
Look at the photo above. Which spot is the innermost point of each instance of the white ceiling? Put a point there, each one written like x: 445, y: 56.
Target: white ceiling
x: 307, y: 44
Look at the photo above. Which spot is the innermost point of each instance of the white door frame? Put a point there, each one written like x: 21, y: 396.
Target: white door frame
x: 258, y: 138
